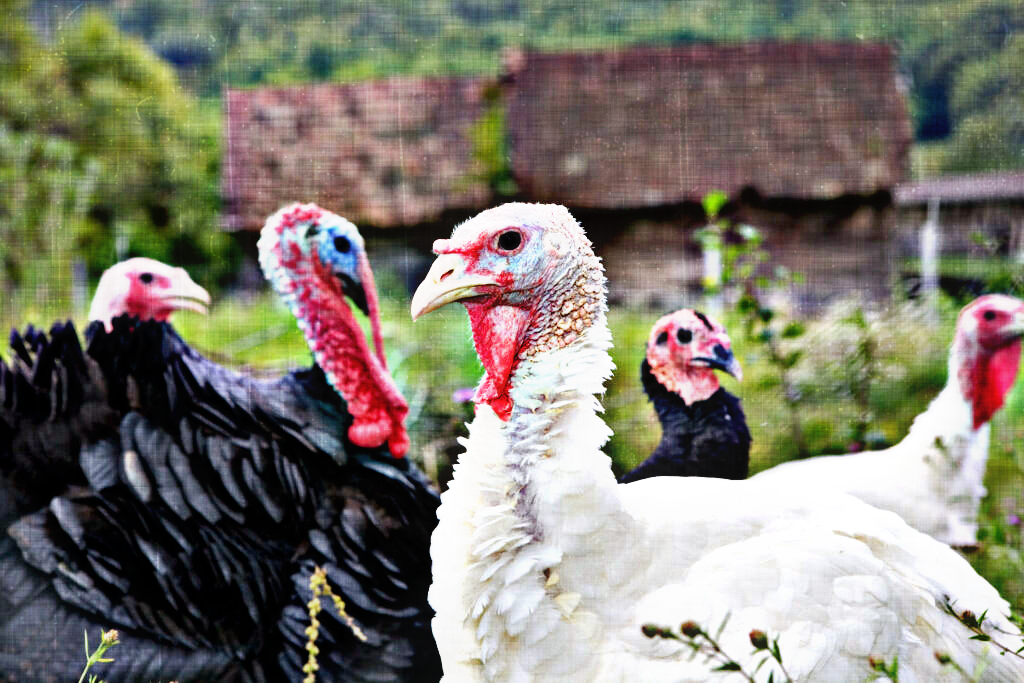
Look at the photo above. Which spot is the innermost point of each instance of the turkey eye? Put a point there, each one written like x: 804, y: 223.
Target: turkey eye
x: 684, y: 336
x: 990, y: 315
x: 146, y: 278
x: 312, y: 231
x: 662, y: 338
x: 509, y: 240
x: 342, y: 245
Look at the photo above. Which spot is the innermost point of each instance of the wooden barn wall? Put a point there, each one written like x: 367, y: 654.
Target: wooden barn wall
x: 659, y: 265
x: 654, y: 261
x: 1001, y: 223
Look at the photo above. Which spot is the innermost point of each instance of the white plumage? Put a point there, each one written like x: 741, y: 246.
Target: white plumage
x: 545, y: 569
x: 934, y: 477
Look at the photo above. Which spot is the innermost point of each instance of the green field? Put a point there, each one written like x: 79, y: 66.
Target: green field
x: 433, y: 357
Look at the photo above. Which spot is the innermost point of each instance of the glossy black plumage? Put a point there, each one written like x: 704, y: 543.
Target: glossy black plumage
x: 186, y: 505
x: 707, y: 439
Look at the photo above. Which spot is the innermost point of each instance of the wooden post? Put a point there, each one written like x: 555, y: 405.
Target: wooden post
x: 1017, y: 239
x: 120, y: 243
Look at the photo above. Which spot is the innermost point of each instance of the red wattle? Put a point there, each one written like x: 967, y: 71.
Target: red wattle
x: 497, y: 398
x: 377, y: 407
x: 497, y: 335
x: 991, y: 378
x: 372, y: 306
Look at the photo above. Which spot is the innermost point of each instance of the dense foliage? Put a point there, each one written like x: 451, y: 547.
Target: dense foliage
x: 102, y: 155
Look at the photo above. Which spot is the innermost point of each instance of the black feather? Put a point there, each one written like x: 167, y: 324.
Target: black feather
x: 707, y: 439
x: 187, y: 505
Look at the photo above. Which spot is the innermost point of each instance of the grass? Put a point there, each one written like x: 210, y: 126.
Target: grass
x: 434, y: 357
x: 980, y: 268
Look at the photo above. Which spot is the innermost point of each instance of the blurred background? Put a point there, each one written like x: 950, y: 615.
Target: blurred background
x: 832, y: 179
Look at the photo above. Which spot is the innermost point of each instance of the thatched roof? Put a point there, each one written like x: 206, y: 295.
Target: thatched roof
x: 647, y: 127
x: 629, y: 129
x: 384, y: 153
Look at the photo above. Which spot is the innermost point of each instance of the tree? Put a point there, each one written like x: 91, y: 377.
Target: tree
x: 988, y: 101
x: 102, y: 154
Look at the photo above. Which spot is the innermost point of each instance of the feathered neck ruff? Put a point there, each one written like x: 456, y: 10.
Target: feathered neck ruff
x: 513, y: 557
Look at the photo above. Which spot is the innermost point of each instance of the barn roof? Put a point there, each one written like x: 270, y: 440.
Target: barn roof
x: 653, y: 126
x: 627, y: 129
x: 385, y: 153
x: 954, y: 189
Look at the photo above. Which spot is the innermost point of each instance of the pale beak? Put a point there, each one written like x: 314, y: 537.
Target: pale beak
x: 185, y: 294
x: 1016, y: 326
x: 447, y: 282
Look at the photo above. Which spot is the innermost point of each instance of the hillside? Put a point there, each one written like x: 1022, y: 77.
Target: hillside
x: 964, y: 59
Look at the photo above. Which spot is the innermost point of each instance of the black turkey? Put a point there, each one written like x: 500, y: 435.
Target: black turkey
x: 187, y: 505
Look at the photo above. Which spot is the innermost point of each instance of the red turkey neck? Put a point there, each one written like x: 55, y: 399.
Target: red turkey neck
x: 497, y: 337
x: 377, y: 407
x: 373, y: 310
x: 506, y: 334
x: 986, y: 377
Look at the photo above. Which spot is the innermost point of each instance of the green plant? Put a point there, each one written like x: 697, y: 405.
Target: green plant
x: 489, y: 136
x: 1006, y: 276
x: 704, y: 644
x: 742, y: 261
x: 103, y: 155
x: 108, y: 639
x: 890, y: 671
x: 861, y: 371
x: 758, y: 326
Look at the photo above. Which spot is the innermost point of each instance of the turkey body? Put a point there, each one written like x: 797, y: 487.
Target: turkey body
x: 934, y: 477
x: 187, y: 505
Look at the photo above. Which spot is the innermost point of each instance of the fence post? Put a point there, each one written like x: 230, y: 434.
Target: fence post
x: 931, y: 241
x: 79, y: 286
x: 712, y: 281
x: 1017, y: 239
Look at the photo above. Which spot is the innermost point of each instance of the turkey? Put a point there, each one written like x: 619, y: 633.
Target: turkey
x: 546, y: 569
x: 140, y: 287
x: 147, y: 289
x: 703, y: 430
x: 206, y: 498
x: 934, y: 477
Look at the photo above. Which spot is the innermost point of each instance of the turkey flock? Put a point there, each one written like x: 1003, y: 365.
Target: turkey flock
x: 148, y: 489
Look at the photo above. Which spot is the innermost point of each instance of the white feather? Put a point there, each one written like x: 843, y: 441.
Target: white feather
x: 545, y: 569
x: 933, y: 478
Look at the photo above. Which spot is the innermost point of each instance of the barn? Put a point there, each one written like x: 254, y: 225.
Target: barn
x: 808, y: 140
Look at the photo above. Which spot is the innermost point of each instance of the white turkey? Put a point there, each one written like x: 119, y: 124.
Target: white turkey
x: 934, y: 477
x: 546, y: 569
x: 194, y: 502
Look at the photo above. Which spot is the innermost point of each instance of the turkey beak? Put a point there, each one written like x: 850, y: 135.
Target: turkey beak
x: 185, y: 294
x: 447, y: 282
x: 724, y: 360
x: 1016, y: 327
